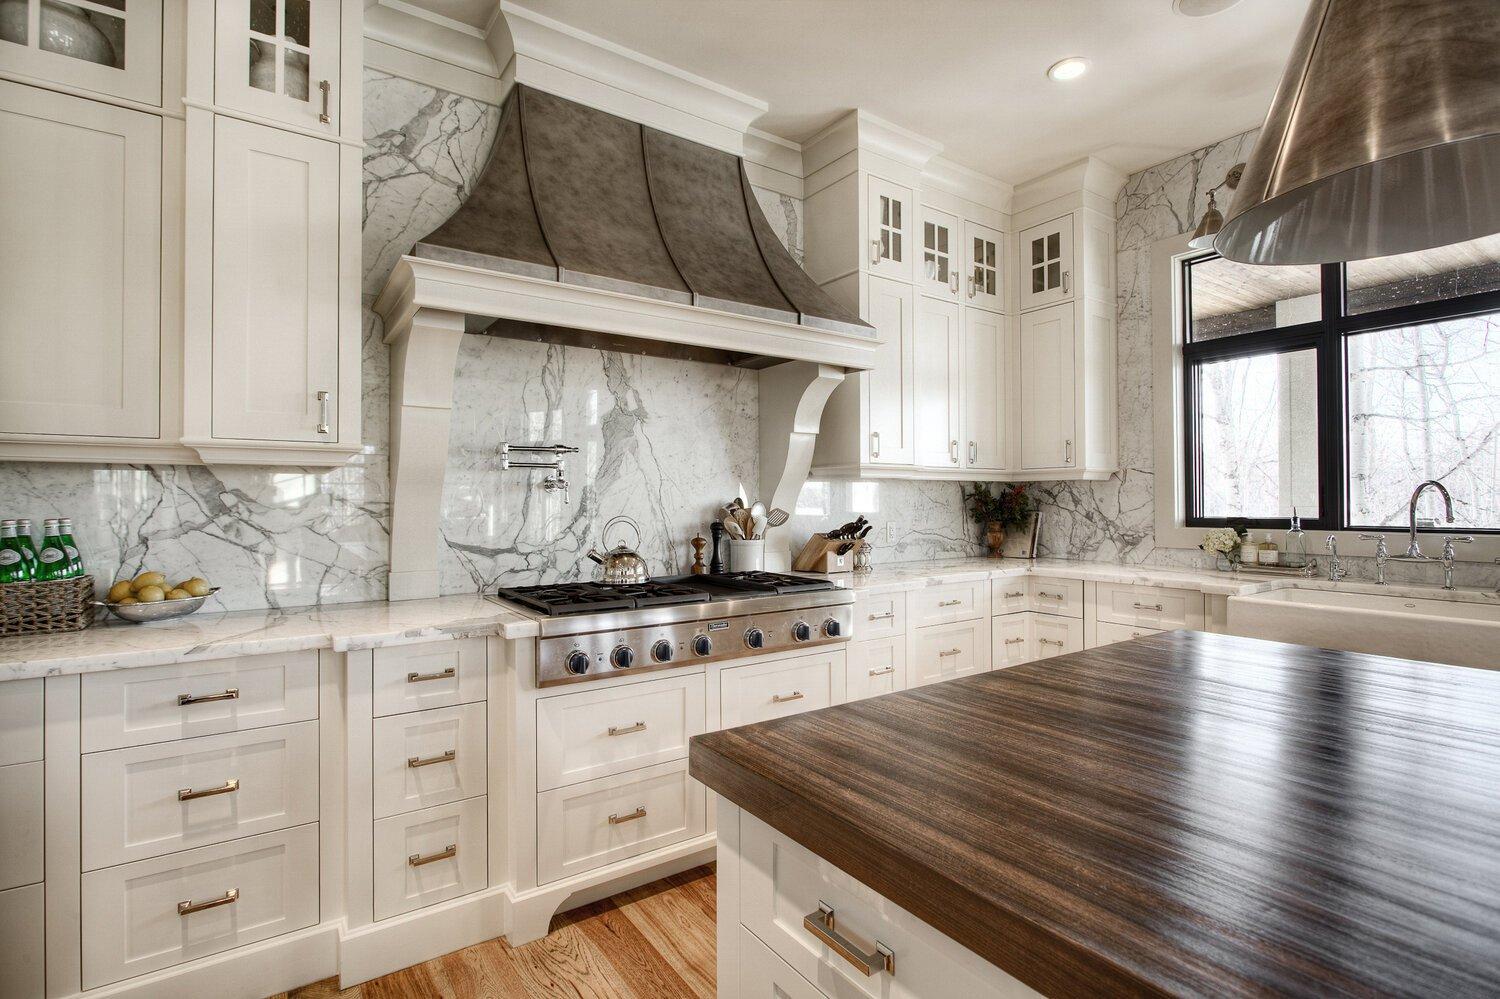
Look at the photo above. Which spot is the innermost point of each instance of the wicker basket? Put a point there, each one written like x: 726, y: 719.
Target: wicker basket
x: 46, y: 608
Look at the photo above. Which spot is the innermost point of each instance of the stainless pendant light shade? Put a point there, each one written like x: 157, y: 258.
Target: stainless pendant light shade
x: 1383, y: 137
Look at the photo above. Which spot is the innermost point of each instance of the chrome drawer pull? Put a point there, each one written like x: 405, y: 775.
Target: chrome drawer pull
x: 324, y: 86
x: 950, y: 652
x: 795, y: 695
x: 228, y: 898
x: 446, y: 674
x: 1150, y: 607
x: 887, y: 616
x: 949, y: 603
x: 228, y: 787
x: 1017, y: 593
x: 417, y: 860
x: 821, y: 925
x: 627, y: 729
x: 1014, y: 641
x: 1048, y: 641
x: 232, y: 694
x: 416, y: 761
x: 887, y: 671
x: 639, y: 813
x: 1050, y: 596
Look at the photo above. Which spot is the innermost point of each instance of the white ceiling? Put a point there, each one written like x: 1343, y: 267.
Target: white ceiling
x: 970, y: 74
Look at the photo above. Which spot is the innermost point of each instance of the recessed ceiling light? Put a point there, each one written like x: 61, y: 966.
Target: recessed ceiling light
x: 1070, y: 68
x: 1201, y: 8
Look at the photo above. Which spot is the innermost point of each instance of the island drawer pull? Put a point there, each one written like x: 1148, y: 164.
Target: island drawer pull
x: 822, y: 923
x: 231, y: 694
x: 627, y: 729
x: 1149, y: 607
x: 228, y: 898
x: 883, y: 671
x: 1050, y: 596
x: 887, y: 616
x: 228, y: 787
x: 795, y: 695
x: 416, y: 761
x: 639, y: 813
x: 1011, y: 595
x: 446, y: 674
x: 949, y: 603
x: 950, y: 652
x: 417, y: 860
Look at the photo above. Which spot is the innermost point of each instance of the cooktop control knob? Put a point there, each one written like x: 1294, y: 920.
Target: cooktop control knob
x: 801, y: 632
x: 703, y: 645
x: 832, y: 628
x: 577, y: 663
x: 661, y: 651
x: 755, y: 638
x: 623, y: 657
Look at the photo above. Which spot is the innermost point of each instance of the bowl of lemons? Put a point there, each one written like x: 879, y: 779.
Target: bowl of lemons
x: 149, y: 597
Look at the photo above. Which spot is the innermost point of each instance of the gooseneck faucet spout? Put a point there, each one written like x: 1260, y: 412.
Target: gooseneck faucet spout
x: 1414, y: 550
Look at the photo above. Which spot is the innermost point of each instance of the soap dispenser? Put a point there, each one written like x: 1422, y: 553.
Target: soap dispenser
x: 1294, y: 552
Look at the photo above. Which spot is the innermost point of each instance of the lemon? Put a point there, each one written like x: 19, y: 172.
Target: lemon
x: 150, y: 594
x: 146, y: 579
x: 120, y: 591
x: 179, y: 594
x: 197, y: 587
x: 124, y: 601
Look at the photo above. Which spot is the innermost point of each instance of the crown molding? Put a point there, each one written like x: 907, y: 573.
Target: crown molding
x: 1090, y: 181
x: 942, y: 174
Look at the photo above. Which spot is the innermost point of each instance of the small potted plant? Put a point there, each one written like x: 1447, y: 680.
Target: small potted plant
x: 1224, y: 544
x: 996, y: 511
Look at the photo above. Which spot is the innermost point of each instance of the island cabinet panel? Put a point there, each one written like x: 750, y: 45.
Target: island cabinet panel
x: 763, y: 975
x: 782, y: 883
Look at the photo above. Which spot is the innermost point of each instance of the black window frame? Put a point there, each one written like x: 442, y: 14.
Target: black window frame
x: 1328, y: 336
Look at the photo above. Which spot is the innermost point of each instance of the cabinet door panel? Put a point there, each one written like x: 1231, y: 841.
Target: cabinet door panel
x: 276, y: 243
x: 984, y: 381
x: 984, y: 267
x: 1047, y: 263
x: 1048, y: 386
x: 112, y: 47
x: 80, y: 266
x: 940, y: 269
x: 937, y: 384
x: 272, y: 58
x: 1055, y: 636
x: 889, y: 385
x: 890, y: 249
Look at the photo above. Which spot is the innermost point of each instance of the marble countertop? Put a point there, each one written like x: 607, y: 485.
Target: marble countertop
x: 341, y: 627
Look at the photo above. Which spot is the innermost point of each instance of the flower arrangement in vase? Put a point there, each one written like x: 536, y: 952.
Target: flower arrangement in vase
x: 1224, y: 543
x: 997, y: 510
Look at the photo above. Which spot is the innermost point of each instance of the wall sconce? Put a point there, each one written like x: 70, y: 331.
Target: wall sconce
x: 1213, y: 219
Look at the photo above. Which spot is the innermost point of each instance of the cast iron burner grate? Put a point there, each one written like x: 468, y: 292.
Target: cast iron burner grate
x: 578, y: 598
x: 759, y: 581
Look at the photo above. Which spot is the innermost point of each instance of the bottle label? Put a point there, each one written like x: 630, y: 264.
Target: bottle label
x: 72, y: 553
x: 9, y: 556
x: 50, y: 555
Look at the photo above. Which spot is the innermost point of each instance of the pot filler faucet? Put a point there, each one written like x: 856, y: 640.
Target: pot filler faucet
x: 1414, y: 549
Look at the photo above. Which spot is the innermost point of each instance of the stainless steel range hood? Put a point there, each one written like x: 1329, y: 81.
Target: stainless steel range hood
x: 587, y: 202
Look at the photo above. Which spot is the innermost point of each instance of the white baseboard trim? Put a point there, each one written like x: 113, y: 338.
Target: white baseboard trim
x: 402, y: 941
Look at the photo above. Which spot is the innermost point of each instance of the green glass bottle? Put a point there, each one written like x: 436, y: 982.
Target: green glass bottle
x: 27, y: 546
x: 65, y: 535
x: 53, y: 556
x: 12, y: 566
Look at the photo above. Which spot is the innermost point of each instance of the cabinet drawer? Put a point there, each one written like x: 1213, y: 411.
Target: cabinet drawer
x: 949, y: 651
x: 428, y: 758
x: 880, y: 615
x: 591, y: 734
x: 20, y: 721
x: 1054, y: 636
x: 133, y: 707
x: 1056, y: 596
x: 782, y: 882
x: 948, y: 602
x: 132, y: 914
x: 21, y: 831
x: 1010, y: 641
x: 1108, y: 634
x: 763, y: 691
x: 146, y: 801
x: 440, y: 675
x: 586, y: 826
x: 874, y: 668
x: 22, y: 918
x: 763, y: 975
x: 430, y: 856
x: 1158, y: 607
x: 1010, y: 595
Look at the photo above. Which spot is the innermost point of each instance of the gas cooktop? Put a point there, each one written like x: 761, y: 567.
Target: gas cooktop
x: 557, y: 599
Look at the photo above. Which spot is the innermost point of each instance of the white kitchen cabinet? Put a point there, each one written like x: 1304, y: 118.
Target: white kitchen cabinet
x: 1010, y: 640
x: 984, y: 280
x: 984, y: 389
x: 80, y: 266
x: 1055, y: 636
x: 889, y: 218
x: 1047, y: 263
x: 948, y: 651
x: 22, y: 925
x: 876, y: 667
x: 279, y: 59
x: 1048, y: 387
x: 936, y: 376
x: 939, y: 270
x: 103, y: 46
x: 889, y: 386
x: 275, y: 285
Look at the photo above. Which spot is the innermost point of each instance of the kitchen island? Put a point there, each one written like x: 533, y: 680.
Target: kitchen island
x: 1184, y: 814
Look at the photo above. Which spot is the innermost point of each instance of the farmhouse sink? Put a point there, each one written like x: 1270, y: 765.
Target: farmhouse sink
x: 1430, y: 628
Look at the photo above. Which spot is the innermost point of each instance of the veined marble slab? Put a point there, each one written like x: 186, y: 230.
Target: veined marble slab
x: 198, y: 637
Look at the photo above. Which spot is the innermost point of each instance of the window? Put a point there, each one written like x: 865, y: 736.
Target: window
x: 1334, y: 390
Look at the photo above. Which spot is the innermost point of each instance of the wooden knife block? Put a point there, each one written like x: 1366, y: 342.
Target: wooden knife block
x: 821, y: 555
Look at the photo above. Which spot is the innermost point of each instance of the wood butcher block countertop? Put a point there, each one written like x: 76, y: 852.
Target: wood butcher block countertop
x: 1186, y: 814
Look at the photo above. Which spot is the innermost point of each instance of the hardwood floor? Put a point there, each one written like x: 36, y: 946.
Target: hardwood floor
x: 656, y: 942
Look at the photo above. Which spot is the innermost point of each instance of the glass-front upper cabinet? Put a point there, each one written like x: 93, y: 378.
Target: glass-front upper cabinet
x: 1047, y: 263
x: 102, y: 46
x: 940, y: 270
x: 279, y: 59
x: 890, y: 229
x: 985, y: 267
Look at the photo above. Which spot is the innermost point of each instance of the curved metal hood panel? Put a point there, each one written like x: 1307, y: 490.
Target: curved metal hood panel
x: 586, y: 198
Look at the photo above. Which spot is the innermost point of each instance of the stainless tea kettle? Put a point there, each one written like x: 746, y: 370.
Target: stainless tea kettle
x: 620, y: 564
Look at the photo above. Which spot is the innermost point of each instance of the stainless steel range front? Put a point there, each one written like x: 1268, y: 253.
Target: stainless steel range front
x: 589, y: 631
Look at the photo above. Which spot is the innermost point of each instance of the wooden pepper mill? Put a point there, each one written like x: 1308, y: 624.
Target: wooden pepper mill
x: 698, y: 544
